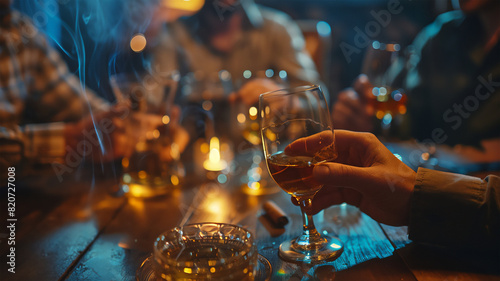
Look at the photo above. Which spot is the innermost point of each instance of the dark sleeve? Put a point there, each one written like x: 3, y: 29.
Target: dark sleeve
x: 455, y: 210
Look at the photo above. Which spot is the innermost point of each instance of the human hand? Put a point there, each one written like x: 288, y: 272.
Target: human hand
x: 367, y: 175
x: 100, y: 136
x: 142, y: 127
x: 114, y: 134
x: 250, y: 91
x: 352, y: 110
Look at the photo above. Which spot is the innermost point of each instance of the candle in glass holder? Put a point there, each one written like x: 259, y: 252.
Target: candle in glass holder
x: 214, y: 161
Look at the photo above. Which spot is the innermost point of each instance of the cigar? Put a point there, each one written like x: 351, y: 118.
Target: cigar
x: 270, y: 227
x: 275, y: 214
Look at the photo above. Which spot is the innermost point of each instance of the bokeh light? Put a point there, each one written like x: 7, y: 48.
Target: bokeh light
x: 247, y: 74
x: 165, y: 119
x: 283, y: 74
x: 241, y: 118
x: 138, y: 43
x: 207, y: 105
x: 253, y: 111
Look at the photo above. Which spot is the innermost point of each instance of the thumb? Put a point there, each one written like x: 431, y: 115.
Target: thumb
x: 340, y: 175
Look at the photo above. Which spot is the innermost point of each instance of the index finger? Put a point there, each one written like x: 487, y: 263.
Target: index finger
x: 320, y: 145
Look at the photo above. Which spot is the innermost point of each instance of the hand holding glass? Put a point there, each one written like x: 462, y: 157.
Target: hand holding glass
x: 297, y: 134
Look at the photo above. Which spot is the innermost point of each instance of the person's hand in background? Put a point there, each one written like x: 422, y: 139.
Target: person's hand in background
x: 113, y: 134
x: 367, y: 175
x: 250, y: 91
x: 100, y: 137
x: 144, y: 127
x: 352, y: 110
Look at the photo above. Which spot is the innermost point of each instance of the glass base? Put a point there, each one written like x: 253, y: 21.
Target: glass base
x: 328, y: 250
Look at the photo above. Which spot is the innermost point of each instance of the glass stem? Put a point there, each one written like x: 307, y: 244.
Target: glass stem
x: 310, y: 238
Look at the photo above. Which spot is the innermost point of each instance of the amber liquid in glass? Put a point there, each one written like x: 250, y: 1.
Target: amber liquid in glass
x: 147, y: 174
x: 294, y: 174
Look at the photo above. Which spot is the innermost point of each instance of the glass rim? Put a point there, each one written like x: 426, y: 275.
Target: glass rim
x: 287, y: 91
x: 249, y: 250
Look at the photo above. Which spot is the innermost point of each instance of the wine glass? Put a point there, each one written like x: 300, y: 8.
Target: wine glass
x: 381, y: 64
x: 297, y: 134
x: 151, y: 166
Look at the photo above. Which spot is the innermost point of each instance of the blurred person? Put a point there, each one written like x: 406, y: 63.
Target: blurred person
x: 237, y: 36
x: 439, y: 208
x: 46, y: 115
x: 451, y: 75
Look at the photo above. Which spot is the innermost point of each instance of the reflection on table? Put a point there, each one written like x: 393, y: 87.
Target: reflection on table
x: 76, y: 230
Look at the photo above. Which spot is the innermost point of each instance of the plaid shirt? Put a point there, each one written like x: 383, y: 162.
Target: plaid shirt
x: 37, y: 95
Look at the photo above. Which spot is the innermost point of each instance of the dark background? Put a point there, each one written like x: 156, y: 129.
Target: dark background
x: 90, y: 34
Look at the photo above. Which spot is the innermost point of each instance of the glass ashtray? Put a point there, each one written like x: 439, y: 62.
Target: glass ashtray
x: 146, y: 271
x: 205, y: 251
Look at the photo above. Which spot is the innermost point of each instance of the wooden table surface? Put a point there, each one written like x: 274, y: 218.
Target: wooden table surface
x: 76, y: 230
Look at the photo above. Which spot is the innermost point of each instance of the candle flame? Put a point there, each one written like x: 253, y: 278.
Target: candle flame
x: 214, y: 162
x: 214, y: 143
x: 214, y: 155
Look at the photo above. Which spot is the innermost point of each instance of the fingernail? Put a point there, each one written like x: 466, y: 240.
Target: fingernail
x: 321, y: 170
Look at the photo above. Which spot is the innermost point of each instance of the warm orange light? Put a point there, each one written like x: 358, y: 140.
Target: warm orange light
x: 204, y: 148
x: 214, y: 161
x: 125, y: 162
x: 156, y: 134
x: 138, y: 43
x: 142, y: 174
x: 255, y: 185
x: 253, y: 111
x: 255, y: 126
x: 241, y: 118
x: 174, y: 180
x: 402, y: 109
x: 185, y: 5
x: 165, y: 119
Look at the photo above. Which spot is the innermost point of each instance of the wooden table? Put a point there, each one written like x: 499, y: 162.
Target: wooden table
x: 76, y: 230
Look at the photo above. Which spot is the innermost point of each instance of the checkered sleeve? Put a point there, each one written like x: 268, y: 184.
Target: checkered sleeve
x: 40, y: 143
x: 45, y: 142
x: 59, y: 93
